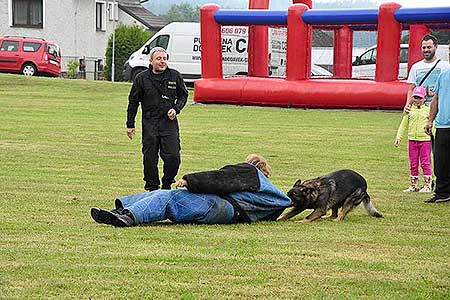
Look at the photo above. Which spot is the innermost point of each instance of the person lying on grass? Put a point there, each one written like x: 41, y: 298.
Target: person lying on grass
x: 233, y: 194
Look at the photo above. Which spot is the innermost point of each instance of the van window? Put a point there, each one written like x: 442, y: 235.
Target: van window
x: 403, y: 55
x: 10, y: 46
x: 161, y: 41
x: 370, y: 57
x: 31, y: 47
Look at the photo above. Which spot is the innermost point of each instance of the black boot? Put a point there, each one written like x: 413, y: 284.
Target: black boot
x: 166, y: 187
x: 118, y: 207
x: 149, y: 187
x: 107, y: 217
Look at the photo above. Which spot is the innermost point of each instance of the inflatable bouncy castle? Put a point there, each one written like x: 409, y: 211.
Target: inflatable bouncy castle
x: 298, y: 89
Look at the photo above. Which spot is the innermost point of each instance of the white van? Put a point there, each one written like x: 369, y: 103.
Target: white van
x: 364, y: 65
x: 182, y: 42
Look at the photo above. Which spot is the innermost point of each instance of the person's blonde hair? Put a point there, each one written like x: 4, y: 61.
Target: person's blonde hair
x: 260, y: 163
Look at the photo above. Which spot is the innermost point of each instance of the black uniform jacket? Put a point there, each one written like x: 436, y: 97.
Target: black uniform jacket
x: 157, y: 93
x: 241, y: 177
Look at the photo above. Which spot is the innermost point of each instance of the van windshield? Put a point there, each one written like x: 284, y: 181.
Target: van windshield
x: 160, y: 41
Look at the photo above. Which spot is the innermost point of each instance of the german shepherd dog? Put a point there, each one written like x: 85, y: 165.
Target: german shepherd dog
x: 344, y: 189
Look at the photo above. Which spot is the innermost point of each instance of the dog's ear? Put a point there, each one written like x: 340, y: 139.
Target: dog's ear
x: 311, y: 185
x: 298, y: 182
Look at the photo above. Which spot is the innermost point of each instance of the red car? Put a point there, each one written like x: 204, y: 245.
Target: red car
x: 29, y: 56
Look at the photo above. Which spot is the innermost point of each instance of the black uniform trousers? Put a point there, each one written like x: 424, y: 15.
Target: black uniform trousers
x: 441, y: 160
x: 155, y: 144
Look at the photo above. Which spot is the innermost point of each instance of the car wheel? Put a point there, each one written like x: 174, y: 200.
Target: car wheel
x: 29, y: 69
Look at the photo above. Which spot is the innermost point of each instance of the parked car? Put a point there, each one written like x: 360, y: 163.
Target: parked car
x: 29, y: 56
x: 364, y: 65
x: 317, y: 71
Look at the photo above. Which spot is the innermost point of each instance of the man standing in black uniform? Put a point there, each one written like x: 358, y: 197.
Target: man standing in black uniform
x: 162, y: 94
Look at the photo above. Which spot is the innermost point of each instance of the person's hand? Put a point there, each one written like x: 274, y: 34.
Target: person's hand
x: 171, y: 113
x: 397, y: 142
x: 407, y: 108
x: 428, y: 127
x: 131, y: 132
x: 181, y: 183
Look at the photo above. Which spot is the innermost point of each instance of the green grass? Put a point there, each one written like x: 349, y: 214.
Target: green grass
x: 63, y: 149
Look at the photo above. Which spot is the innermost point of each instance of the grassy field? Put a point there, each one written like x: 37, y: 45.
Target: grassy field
x: 63, y: 149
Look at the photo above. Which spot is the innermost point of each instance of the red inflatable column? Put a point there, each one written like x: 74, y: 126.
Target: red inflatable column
x: 310, y: 29
x: 416, y: 33
x: 342, y: 60
x: 211, y: 42
x: 388, y: 47
x: 258, y: 44
x: 299, y: 40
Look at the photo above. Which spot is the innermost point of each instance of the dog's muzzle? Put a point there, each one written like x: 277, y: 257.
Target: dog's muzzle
x: 292, y: 194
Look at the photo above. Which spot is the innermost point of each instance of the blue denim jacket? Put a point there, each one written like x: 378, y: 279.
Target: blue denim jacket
x: 266, y: 204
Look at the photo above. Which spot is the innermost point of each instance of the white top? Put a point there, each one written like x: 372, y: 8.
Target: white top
x: 420, y: 69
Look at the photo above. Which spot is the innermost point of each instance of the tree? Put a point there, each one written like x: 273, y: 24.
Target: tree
x: 129, y: 38
x: 183, y: 12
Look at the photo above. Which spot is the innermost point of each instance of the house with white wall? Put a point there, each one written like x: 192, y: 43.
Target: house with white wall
x: 81, y: 28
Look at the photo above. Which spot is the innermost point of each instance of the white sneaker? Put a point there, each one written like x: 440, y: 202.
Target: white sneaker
x: 410, y: 189
x: 425, y: 189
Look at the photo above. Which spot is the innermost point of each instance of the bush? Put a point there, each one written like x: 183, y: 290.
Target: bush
x: 72, y: 68
x: 129, y: 38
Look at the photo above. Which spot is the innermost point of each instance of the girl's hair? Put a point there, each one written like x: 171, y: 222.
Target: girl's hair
x: 259, y: 162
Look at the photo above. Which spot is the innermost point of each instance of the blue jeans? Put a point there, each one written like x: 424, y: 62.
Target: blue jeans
x: 179, y: 206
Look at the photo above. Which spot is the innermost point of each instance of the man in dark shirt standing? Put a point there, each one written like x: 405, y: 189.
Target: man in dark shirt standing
x: 162, y: 94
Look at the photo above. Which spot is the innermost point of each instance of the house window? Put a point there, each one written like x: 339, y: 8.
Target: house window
x: 27, y: 13
x: 113, y: 11
x: 100, y: 15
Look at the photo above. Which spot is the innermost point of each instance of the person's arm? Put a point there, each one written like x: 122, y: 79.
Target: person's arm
x: 181, y: 183
x: 182, y: 94
x: 408, y: 102
x: 134, y: 98
x: 433, y: 113
x: 434, y: 106
x: 401, y: 130
x: 229, y: 179
x: 412, y: 84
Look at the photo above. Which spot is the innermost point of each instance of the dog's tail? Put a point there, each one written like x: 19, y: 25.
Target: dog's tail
x: 371, y: 210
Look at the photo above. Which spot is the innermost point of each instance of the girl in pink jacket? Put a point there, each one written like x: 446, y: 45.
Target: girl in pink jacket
x: 419, y: 146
